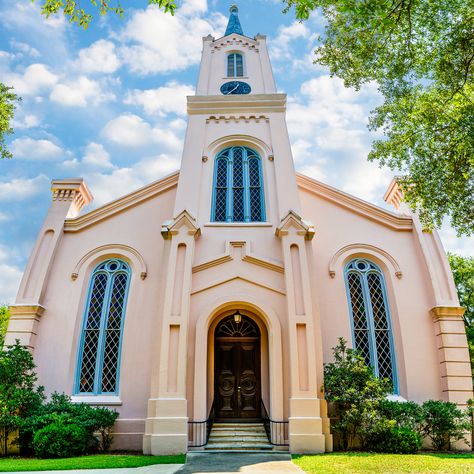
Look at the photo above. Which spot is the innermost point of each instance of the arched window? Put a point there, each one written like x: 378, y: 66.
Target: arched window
x: 99, y: 353
x: 238, y: 186
x: 370, y: 317
x: 235, y: 65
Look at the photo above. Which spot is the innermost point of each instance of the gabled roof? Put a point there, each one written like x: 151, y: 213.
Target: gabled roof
x: 364, y: 208
x: 118, y: 205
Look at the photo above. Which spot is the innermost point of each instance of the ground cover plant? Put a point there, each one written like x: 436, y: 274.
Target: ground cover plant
x: 355, y: 463
x: 101, y: 461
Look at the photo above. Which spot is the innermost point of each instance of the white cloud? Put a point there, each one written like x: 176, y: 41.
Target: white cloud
x: 99, y: 57
x: 80, y: 93
x: 9, y: 282
x: 19, y: 189
x: 155, y: 42
x: 97, y: 156
x: 452, y: 243
x: 25, y: 121
x: 31, y: 149
x: 36, y: 79
x: 280, y: 48
x: 4, y: 217
x: 131, y: 130
x: 169, y: 98
x: 106, y: 187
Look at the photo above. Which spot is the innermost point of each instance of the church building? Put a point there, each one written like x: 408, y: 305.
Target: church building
x: 212, y: 297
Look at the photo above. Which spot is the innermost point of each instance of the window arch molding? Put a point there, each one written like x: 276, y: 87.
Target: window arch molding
x: 238, y: 186
x: 101, y: 331
x: 235, y: 64
x: 370, y: 316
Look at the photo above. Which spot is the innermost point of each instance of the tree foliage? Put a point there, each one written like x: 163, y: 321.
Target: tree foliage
x: 8, y: 100
x: 421, y: 54
x: 75, y: 13
x: 4, y: 318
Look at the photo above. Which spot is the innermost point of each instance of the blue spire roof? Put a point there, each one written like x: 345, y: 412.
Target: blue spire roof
x: 234, y: 23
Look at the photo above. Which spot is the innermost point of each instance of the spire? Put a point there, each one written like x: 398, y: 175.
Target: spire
x: 234, y: 23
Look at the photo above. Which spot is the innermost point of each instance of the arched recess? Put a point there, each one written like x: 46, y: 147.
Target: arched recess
x: 113, y: 250
x: 390, y: 269
x: 267, y: 321
x: 235, y: 140
x: 367, y: 249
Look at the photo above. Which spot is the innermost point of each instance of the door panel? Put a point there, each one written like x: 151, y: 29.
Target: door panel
x: 237, y: 383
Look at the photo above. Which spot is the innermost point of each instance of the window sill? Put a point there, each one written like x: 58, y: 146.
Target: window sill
x: 110, y: 400
x: 235, y: 78
x: 238, y: 224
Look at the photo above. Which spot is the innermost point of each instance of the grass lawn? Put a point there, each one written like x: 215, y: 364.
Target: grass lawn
x: 102, y: 461
x: 354, y: 463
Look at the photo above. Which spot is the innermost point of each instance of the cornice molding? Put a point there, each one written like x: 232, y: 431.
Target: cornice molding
x: 237, y: 277
x: 18, y: 311
x: 236, y: 104
x: 129, y: 200
x: 447, y: 312
x: 183, y: 219
x: 235, y: 39
x: 364, y: 208
x: 237, y: 118
x: 293, y: 220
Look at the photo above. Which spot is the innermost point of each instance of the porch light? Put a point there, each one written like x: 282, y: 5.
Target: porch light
x: 237, y: 317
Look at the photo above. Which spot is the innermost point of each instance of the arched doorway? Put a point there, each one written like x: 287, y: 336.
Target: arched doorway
x: 237, y: 378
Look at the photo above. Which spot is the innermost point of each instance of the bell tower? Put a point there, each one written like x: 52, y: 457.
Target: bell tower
x: 237, y: 190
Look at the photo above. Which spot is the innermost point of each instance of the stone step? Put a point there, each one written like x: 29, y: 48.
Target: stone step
x: 239, y: 446
x: 238, y: 439
x: 241, y: 434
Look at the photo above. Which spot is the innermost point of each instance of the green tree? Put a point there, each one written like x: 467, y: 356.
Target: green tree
x: 83, y: 16
x: 463, y: 273
x: 4, y: 317
x: 355, y: 394
x: 19, y: 396
x: 421, y: 55
x: 8, y: 100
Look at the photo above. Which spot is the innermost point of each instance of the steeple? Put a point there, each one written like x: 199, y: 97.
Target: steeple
x: 234, y: 23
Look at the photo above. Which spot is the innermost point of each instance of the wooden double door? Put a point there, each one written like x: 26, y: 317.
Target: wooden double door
x: 237, y: 378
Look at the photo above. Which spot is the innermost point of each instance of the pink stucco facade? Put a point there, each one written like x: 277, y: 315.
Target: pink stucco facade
x: 189, y: 272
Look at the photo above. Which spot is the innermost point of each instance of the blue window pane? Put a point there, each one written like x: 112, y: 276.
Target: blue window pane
x: 235, y: 65
x: 100, y: 349
x: 371, y: 318
x: 242, y: 199
x: 239, y: 65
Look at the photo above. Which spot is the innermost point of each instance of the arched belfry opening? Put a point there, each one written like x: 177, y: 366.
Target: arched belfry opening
x: 237, y: 368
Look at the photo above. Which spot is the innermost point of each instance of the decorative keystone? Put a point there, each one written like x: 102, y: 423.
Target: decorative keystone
x: 293, y: 220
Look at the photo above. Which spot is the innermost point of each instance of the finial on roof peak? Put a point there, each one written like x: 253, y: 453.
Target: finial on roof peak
x: 234, y: 23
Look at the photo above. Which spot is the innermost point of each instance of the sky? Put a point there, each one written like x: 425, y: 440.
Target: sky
x: 109, y: 104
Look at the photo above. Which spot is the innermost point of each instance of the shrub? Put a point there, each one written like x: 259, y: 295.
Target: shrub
x: 405, y: 414
x: 400, y: 440
x: 60, y: 439
x: 444, y: 422
x: 354, y: 393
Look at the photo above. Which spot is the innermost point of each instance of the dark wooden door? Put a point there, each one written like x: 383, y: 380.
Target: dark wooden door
x: 237, y: 377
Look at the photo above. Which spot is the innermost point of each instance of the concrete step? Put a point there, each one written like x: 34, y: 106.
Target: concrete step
x: 239, y: 446
x: 238, y: 437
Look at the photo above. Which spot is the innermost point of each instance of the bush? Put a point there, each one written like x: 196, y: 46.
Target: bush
x: 400, y: 441
x: 60, y: 440
x: 443, y: 423
x: 405, y: 414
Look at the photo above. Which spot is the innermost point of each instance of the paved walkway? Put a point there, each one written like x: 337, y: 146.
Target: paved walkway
x: 230, y: 463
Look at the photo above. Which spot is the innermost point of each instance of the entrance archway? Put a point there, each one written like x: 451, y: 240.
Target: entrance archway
x: 237, y: 374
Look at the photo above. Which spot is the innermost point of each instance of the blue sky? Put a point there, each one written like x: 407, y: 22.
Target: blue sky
x: 108, y: 104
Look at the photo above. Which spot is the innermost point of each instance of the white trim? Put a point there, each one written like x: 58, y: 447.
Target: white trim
x: 97, y: 399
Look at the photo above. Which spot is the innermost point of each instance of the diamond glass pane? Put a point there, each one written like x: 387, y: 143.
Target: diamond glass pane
x: 221, y: 174
x: 238, y: 168
x: 359, y: 315
x: 384, y: 355
x: 255, y: 205
x: 91, y: 333
x: 254, y: 172
x: 110, y: 365
x: 238, y: 204
x: 220, y: 205
x: 377, y: 301
x: 239, y: 63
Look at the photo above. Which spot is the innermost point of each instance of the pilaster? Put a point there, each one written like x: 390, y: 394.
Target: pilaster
x: 306, y: 430
x: 166, y: 428
x: 68, y: 197
x: 455, y: 366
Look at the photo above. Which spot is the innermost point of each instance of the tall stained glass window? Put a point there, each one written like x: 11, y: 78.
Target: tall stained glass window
x: 370, y: 318
x: 101, y: 337
x: 238, y: 186
x: 235, y: 65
